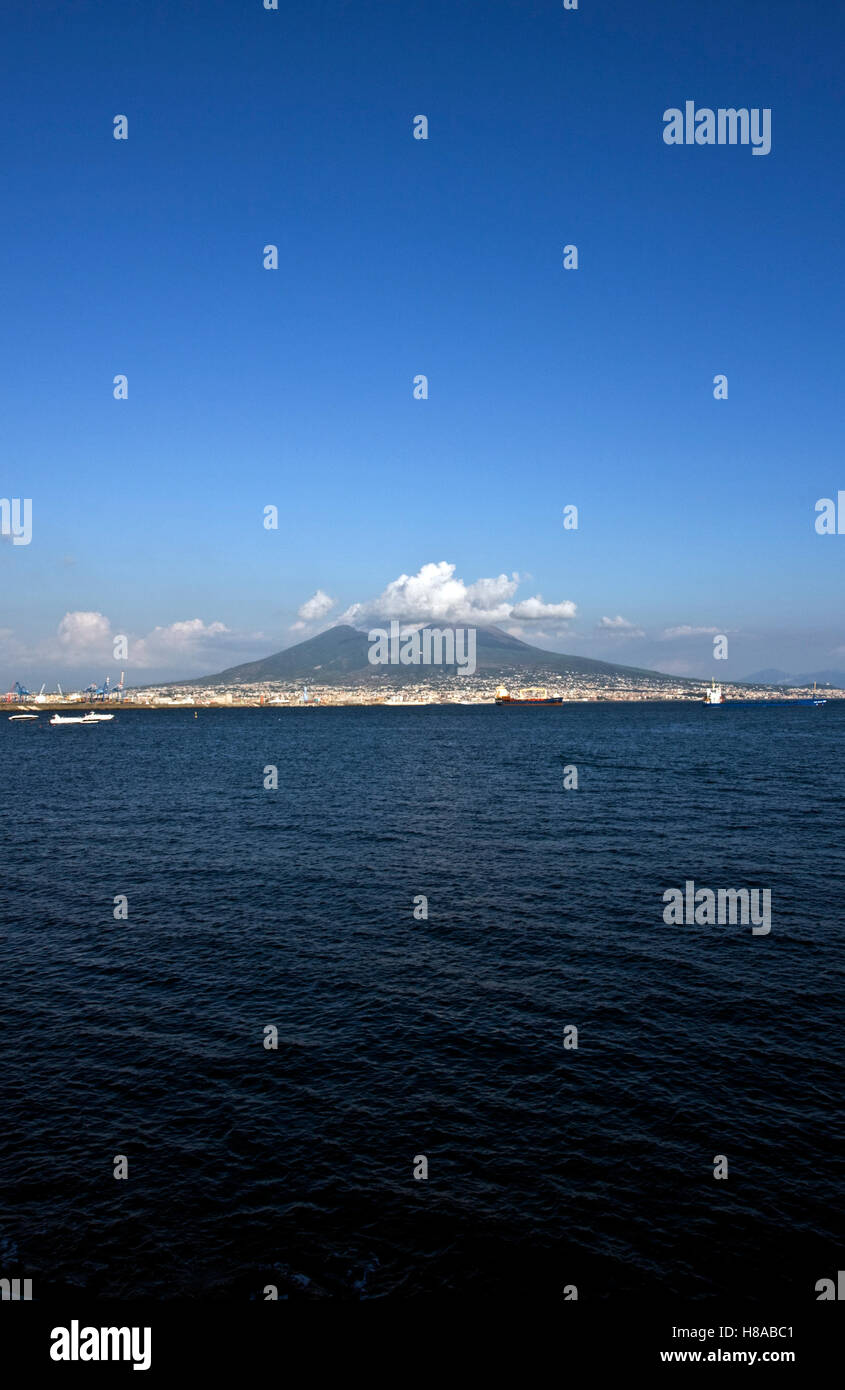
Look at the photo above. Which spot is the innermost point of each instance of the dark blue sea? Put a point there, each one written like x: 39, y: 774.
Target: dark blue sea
x: 398, y: 1038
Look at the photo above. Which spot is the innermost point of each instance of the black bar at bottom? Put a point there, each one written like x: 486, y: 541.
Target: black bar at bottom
x: 399, y: 1340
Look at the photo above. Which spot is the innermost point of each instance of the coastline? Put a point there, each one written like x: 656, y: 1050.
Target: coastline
x: 764, y: 699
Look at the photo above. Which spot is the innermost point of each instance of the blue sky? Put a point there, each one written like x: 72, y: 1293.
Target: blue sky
x: 397, y: 256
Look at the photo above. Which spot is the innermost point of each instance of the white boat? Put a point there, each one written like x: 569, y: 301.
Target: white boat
x: 92, y: 718
x: 70, y: 719
x: 23, y: 716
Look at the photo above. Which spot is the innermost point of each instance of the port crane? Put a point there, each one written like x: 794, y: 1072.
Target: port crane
x: 98, y: 692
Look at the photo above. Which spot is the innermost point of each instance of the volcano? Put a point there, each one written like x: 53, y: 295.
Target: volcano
x: 339, y: 654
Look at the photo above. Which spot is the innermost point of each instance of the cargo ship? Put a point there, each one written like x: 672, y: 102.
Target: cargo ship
x: 527, y: 697
x: 716, y: 696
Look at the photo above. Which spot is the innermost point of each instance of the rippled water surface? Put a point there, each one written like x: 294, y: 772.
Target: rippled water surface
x: 444, y: 1037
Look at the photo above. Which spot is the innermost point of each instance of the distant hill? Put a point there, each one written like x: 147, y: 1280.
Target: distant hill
x: 337, y: 654
x: 772, y: 676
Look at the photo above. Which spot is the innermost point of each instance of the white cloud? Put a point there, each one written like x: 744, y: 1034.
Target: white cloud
x: 435, y: 595
x: 84, y: 638
x: 316, y: 607
x: 685, y: 630
x: 533, y: 609
x: 187, y: 640
x: 534, y: 634
x: 618, y: 627
x: 81, y: 633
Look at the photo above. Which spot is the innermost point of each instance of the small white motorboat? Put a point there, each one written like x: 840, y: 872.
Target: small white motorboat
x: 69, y: 719
x: 23, y: 716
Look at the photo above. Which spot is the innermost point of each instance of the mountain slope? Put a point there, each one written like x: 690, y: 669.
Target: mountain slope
x: 773, y: 676
x: 340, y: 653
